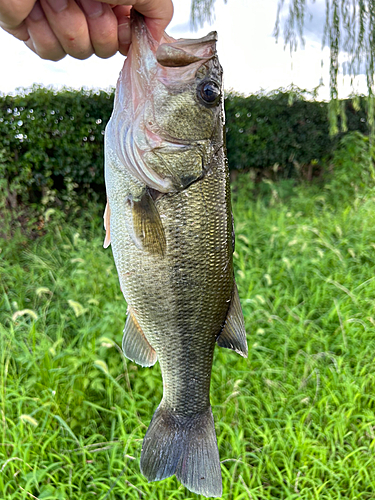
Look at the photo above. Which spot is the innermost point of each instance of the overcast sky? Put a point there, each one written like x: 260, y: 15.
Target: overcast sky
x: 251, y: 58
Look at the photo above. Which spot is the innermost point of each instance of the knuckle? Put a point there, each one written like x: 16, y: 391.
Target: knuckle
x: 106, y: 52
x: 51, y: 54
x: 81, y: 55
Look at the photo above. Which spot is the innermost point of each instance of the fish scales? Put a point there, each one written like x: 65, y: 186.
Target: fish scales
x: 173, y: 317
x: 169, y: 222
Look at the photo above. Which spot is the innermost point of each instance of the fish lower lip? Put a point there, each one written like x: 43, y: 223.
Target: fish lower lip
x: 173, y: 147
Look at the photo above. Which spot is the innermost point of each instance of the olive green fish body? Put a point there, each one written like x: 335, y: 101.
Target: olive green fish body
x: 181, y: 301
x: 169, y: 222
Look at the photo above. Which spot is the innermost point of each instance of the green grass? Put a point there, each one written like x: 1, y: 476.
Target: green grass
x: 294, y: 421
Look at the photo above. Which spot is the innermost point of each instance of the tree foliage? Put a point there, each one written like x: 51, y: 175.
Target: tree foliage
x: 202, y: 11
x: 349, y: 28
x: 52, y: 147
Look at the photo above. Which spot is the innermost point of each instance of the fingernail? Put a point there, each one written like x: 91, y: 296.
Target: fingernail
x: 92, y: 8
x: 37, y: 13
x: 29, y: 43
x: 124, y: 33
x: 58, y: 5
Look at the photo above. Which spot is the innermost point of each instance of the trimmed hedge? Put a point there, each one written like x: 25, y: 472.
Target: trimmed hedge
x: 284, y: 132
x: 51, y: 143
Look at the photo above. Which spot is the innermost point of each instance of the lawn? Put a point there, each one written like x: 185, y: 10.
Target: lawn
x: 294, y: 421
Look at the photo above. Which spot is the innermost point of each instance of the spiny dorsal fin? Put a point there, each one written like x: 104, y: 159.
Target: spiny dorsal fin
x: 134, y: 343
x: 233, y: 335
x: 107, y: 217
x: 146, y: 228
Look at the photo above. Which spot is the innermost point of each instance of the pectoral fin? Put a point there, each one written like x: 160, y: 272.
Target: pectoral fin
x: 107, y: 217
x: 145, y: 226
x: 233, y: 335
x: 134, y: 343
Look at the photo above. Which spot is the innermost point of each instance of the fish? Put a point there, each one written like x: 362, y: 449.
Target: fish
x: 169, y: 221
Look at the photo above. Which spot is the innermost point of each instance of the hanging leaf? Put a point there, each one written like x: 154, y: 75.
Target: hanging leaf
x: 350, y: 29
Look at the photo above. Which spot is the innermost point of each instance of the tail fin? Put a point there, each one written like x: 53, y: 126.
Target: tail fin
x: 185, y: 446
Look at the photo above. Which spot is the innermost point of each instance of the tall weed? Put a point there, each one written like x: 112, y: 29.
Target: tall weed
x: 352, y: 172
x: 294, y: 420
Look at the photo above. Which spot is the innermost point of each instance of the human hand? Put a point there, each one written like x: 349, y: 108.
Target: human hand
x: 80, y: 28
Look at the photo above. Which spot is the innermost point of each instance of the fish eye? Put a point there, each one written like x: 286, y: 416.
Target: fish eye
x: 209, y: 92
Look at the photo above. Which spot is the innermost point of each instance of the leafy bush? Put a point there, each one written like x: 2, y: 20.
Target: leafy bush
x: 52, y: 142
x: 266, y: 132
x: 352, y: 167
x: 284, y: 133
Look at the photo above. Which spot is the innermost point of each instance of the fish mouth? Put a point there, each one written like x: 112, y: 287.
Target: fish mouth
x: 171, y: 52
x: 157, y: 140
x: 188, y: 51
x: 169, y: 144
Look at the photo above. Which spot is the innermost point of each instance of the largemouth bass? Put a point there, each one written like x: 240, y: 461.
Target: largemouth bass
x: 169, y: 221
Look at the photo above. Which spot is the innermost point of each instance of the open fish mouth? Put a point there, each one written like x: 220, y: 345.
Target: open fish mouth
x: 185, y: 52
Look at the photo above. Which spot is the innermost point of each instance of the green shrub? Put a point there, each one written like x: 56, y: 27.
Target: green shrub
x: 270, y: 132
x: 352, y: 167
x: 284, y: 133
x: 53, y: 145
x: 52, y: 142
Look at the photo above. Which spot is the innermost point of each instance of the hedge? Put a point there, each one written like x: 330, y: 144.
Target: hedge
x: 51, y: 143
x: 284, y: 132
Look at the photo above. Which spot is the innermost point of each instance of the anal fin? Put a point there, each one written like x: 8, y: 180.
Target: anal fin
x: 134, y: 343
x: 233, y: 334
x: 145, y: 226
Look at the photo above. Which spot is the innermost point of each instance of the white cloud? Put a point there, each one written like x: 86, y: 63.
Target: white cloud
x: 248, y: 53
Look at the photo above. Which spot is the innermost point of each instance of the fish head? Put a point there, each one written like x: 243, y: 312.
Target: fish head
x: 188, y: 89
x: 168, y: 114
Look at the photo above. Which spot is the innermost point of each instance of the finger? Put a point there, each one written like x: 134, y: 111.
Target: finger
x: 43, y: 40
x: 102, y: 25
x: 157, y: 17
x: 20, y: 32
x: 29, y: 43
x: 14, y: 12
x: 124, y: 30
x: 69, y: 25
x: 12, y: 17
x: 158, y: 14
